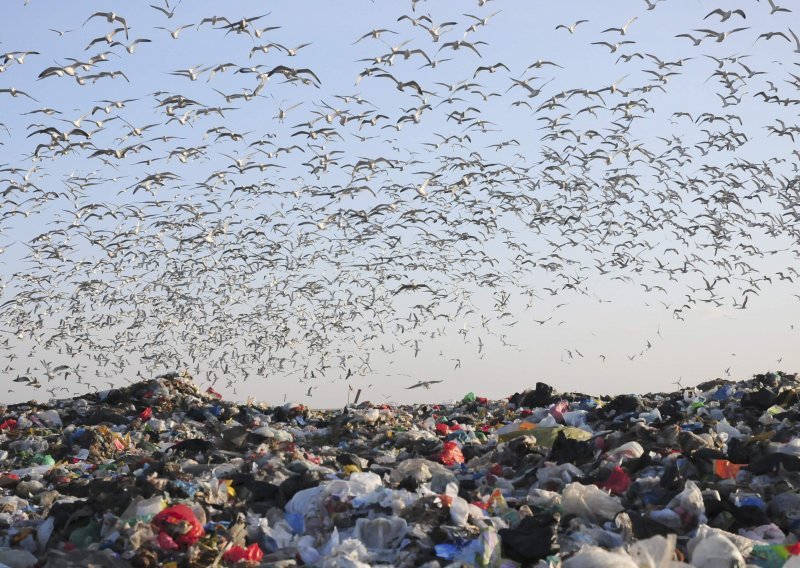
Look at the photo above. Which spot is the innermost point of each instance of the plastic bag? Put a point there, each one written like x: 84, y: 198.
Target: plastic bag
x: 725, y: 469
x: 618, y: 482
x: 451, y: 454
x: 380, y: 532
x: 459, y: 511
x: 589, y: 503
x: 180, y: 523
x: 596, y: 557
x: 716, y: 551
x: 689, y: 503
x: 236, y: 554
x: 625, y: 451
x: 656, y: 552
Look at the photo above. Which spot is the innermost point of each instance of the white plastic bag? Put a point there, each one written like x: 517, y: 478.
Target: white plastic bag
x: 589, y: 502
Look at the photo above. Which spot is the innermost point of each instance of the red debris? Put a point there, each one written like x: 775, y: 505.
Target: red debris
x: 618, y: 482
x: 236, y: 554
x: 451, y: 454
x: 180, y: 524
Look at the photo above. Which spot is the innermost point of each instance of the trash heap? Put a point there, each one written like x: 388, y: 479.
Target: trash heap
x: 162, y: 473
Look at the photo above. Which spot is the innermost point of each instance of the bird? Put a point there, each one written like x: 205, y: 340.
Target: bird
x: 166, y: 10
x: 292, y: 52
x: 624, y: 29
x: 424, y: 384
x: 131, y: 48
x: 402, y: 85
x: 490, y: 69
x: 110, y: 17
x: 725, y: 15
x: 458, y: 44
x: 613, y: 46
x: 694, y: 40
x: 796, y: 41
x: 175, y: 34
x: 16, y: 93
x: 375, y: 34
x: 770, y: 35
x: 720, y: 36
x: 774, y: 9
x: 571, y: 28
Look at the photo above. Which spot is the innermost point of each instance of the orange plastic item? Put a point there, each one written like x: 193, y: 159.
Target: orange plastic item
x: 725, y: 469
x: 451, y: 454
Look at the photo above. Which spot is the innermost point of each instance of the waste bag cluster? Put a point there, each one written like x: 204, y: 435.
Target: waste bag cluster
x: 164, y: 473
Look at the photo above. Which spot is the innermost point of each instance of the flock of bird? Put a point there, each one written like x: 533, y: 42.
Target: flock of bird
x: 242, y: 219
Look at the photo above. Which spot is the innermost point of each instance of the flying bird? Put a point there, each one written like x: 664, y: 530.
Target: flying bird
x: 424, y: 384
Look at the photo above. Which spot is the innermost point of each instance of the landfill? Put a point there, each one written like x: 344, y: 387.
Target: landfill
x: 166, y: 473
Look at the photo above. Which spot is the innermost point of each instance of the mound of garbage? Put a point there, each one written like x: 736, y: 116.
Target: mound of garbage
x: 162, y: 473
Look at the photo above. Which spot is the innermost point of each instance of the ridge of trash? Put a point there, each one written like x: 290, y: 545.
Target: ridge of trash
x: 163, y: 473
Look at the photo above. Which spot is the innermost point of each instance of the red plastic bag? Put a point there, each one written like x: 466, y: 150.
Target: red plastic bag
x: 212, y: 392
x: 236, y: 554
x: 180, y: 523
x: 442, y: 429
x: 618, y: 482
x: 146, y: 414
x: 451, y: 454
x: 9, y: 424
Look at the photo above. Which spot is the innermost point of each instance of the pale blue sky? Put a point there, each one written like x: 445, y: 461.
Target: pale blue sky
x: 706, y: 344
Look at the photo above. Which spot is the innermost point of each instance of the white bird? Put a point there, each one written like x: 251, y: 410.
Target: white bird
x: 176, y: 32
x: 423, y: 384
x: 571, y: 28
x: 624, y: 29
x: 110, y: 17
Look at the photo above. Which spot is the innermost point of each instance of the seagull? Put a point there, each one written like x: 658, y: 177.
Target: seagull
x: 725, y: 15
x: 131, y: 48
x: 490, y: 69
x: 695, y: 40
x: 479, y: 22
x: 168, y: 12
x: 571, y: 28
x: 291, y: 52
x: 613, y: 47
x: 436, y: 31
x: 16, y: 92
x: 796, y: 41
x: 423, y: 384
x: 110, y: 17
x: 770, y: 35
x: 624, y: 29
x: 720, y: 36
x: 775, y: 8
x: 374, y: 34
x: 176, y: 32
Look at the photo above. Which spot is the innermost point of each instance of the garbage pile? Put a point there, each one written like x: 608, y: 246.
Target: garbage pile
x: 162, y: 473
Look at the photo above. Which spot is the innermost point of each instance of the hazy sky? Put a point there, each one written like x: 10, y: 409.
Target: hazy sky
x: 616, y: 337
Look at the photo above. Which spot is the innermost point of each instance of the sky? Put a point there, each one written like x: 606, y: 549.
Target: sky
x: 616, y: 337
